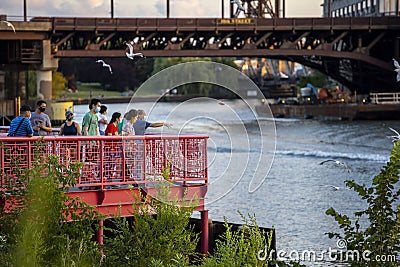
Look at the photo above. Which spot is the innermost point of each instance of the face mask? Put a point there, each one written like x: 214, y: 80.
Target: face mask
x: 97, y: 110
x: 42, y: 109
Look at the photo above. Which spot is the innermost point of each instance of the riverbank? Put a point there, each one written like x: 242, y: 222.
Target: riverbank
x: 333, y: 111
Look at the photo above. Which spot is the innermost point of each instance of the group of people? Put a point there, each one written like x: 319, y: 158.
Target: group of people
x: 95, y: 122
x: 31, y: 122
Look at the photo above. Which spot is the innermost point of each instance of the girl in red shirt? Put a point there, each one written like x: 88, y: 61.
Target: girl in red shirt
x: 112, y: 128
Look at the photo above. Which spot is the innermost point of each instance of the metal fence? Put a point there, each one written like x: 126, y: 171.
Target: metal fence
x: 112, y: 160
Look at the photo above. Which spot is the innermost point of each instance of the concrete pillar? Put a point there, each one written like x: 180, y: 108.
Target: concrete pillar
x: 44, y: 80
x: 44, y: 74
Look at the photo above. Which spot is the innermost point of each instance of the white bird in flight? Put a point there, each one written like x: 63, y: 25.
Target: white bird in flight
x: 338, y: 163
x: 336, y: 187
x: 105, y: 65
x: 9, y: 24
x: 132, y: 55
x: 238, y: 4
x: 397, y: 69
x: 396, y: 137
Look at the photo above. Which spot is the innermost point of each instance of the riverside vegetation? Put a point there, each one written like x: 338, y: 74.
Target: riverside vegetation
x: 36, y: 233
x: 379, y: 237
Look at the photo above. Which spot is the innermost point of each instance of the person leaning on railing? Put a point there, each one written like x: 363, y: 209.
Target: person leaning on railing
x: 21, y: 125
x: 90, y: 120
x: 40, y: 121
x: 130, y: 119
x: 70, y: 127
x: 141, y: 125
x: 112, y: 127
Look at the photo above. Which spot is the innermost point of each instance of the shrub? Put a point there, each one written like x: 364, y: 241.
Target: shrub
x: 241, y: 248
x: 36, y: 230
x: 159, y: 234
x: 381, y: 235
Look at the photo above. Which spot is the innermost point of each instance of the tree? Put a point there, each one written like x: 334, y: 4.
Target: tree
x: 58, y: 84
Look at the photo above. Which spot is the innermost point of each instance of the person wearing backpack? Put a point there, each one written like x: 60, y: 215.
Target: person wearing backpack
x: 21, y: 125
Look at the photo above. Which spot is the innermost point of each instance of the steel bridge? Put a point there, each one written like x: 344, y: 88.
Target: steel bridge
x: 357, y: 52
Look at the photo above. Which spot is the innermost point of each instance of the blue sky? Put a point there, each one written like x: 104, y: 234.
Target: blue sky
x: 139, y: 8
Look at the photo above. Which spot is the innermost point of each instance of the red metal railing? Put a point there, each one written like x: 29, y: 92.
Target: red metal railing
x: 113, y: 160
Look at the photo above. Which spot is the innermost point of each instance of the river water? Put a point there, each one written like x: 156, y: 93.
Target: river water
x: 297, y: 189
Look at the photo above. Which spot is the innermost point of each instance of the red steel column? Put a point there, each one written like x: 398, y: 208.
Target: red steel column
x: 204, y: 232
x: 99, y: 235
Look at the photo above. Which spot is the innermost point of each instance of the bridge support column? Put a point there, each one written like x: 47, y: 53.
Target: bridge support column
x: 44, y: 74
x: 204, y: 232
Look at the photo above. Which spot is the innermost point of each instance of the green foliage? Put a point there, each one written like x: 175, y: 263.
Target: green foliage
x: 317, y: 79
x: 204, y: 73
x: 36, y: 231
x: 381, y: 236
x: 158, y: 236
x: 58, y: 84
x: 242, y: 248
x: 31, y: 84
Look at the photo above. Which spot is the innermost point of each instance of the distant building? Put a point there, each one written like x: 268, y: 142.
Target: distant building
x: 360, y: 8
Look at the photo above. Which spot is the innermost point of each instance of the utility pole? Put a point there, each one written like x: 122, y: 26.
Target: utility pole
x: 112, y: 9
x: 25, y: 12
x: 167, y: 9
x: 222, y: 9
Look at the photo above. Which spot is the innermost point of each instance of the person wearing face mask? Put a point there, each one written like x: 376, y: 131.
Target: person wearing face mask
x: 21, y: 125
x: 90, y: 120
x: 70, y: 127
x: 40, y: 121
x: 112, y: 128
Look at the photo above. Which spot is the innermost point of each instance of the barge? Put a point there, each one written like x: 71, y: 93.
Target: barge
x: 340, y: 111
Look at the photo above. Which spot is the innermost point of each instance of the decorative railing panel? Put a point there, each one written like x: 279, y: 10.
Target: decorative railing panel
x: 112, y: 160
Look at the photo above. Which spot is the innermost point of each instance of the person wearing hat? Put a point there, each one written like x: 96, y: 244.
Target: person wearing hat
x: 40, y: 121
x: 21, y: 125
x: 69, y: 127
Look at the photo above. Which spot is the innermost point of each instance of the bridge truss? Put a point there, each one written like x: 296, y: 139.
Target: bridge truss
x: 350, y: 50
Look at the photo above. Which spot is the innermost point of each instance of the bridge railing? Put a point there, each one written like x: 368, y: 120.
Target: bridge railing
x: 112, y: 160
x: 385, y: 98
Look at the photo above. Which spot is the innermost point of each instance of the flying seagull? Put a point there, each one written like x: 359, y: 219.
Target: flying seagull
x: 338, y: 163
x: 396, y: 137
x: 239, y: 5
x: 9, y: 24
x: 132, y: 55
x: 105, y: 65
x: 334, y: 187
x: 397, y: 69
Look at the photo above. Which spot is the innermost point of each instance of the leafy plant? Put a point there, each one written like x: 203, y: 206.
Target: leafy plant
x: 37, y: 232
x: 242, y: 248
x: 381, y: 236
x: 159, y: 234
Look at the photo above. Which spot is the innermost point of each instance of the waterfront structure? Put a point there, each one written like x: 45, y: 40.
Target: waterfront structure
x: 360, y: 8
x: 116, y: 170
